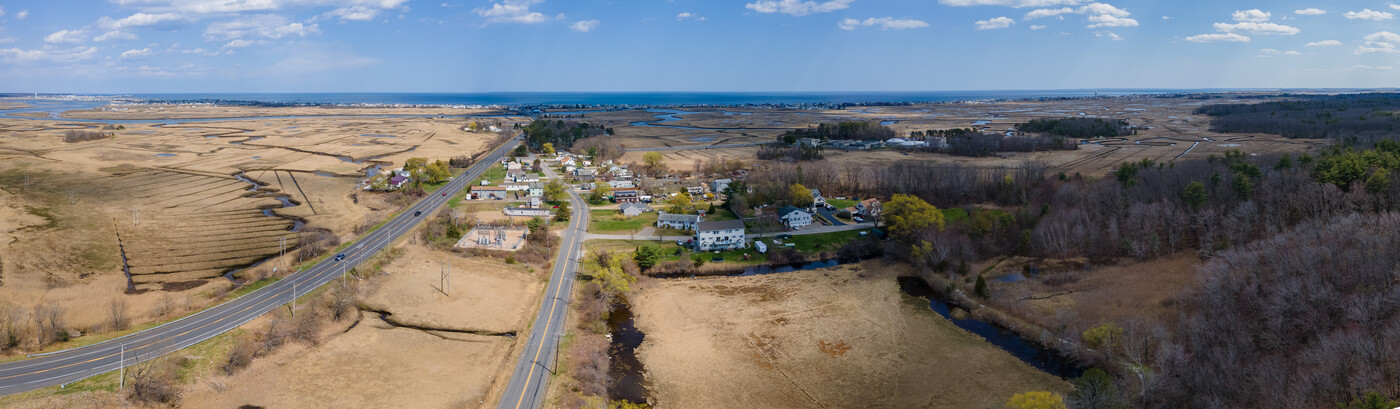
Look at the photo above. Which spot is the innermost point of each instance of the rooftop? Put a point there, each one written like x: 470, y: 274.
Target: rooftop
x: 720, y: 225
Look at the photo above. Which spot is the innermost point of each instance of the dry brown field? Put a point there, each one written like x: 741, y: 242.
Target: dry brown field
x: 431, y: 349
x: 838, y: 337
x: 198, y: 213
x: 1170, y: 131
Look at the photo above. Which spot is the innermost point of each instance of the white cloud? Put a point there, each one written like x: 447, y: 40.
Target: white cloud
x: 1012, y: 3
x: 1040, y: 13
x: 1254, y: 16
x: 1105, y: 20
x: 25, y: 13
x: 1111, y: 35
x: 1256, y: 28
x: 584, y: 26
x: 115, y: 35
x: 1310, y: 12
x: 265, y: 25
x: 1393, y: 6
x: 188, y: 7
x: 1100, y: 14
x: 353, y: 13
x: 1212, y: 38
x: 134, y: 53
x: 690, y: 15
x: 1037, y: 27
x: 1368, y: 14
x: 1324, y: 43
x: 7, y: 40
x: 797, y: 7
x: 66, y: 36
x: 1369, y: 67
x: 885, y: 23
x: 161, y: 21
x: 1271, y: 52
x: 1166, y: 17
x: 1383, y: 42
x: 22, y: 56
x: 512, y: 11
x: 999, y: 22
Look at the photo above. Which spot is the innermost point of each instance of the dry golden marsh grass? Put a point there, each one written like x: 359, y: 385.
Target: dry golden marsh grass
x: 837, y: 337
x: 64, y: 205
x: 1170, y: 132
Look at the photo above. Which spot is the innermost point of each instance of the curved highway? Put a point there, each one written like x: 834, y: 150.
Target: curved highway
x: 62, y: 367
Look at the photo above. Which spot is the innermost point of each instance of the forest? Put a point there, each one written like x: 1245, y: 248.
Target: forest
x: 845, y: 130
x: 1294, y: 306
x: 1361, y: 117
x: 1077, y: 127
x: 559, y: 132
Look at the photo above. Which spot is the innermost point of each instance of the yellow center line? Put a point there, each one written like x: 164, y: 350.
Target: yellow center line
x: 552, y: 302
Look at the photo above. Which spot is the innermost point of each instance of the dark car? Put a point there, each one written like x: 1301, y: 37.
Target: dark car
x: 418, y: 213
x: 340, y: 256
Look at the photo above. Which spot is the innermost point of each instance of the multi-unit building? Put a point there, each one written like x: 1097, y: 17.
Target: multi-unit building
x: 678, y: 221
x: 794, y: 218
x: 721, y: 235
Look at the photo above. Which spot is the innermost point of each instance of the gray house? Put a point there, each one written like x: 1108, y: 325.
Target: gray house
x: 677, y: 221
x: 634, y: 209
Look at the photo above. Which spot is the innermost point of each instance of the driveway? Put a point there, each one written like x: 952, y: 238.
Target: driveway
x: 829, y: 216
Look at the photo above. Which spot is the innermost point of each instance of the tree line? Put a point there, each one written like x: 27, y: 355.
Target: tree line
x: 560, y: 133
x: 1078, y: 127
x: 1363, y: 116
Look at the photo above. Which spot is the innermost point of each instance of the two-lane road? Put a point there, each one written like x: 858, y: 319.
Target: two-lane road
x: 71, y: 365
x: 528, y: 383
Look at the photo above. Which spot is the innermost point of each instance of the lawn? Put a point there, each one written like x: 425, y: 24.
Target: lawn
x: 956, y: 214
x: 494, y: 174
x: 841, y: 203
x: 816, y: 243
x: 609, y: 221
x: 721, y: 214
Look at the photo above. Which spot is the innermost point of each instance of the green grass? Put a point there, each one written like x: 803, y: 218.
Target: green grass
x: 495, y: 173
x: 841, y: 203
x: 251, y: 287
x: 720, y: 214
x: 606, y: 221
x: 954, y: 215
x: 816, y: 243
x: 734, y: 256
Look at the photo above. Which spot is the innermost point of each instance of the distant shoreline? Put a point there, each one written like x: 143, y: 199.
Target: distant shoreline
x: 550, y: 103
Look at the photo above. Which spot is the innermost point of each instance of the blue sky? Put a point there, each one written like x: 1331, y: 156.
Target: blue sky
x: 691, y: 45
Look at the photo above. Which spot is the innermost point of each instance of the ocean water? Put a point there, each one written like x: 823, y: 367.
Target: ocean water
x: 647, y: 98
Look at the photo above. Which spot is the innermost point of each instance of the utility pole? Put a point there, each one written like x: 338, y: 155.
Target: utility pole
x: 294, y: 298
x: 122, y: 371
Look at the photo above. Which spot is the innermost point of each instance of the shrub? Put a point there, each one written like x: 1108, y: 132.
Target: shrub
x: 155, y: 381
x: 1036, y: 400
x: 76, y: 136
x: 981, y: 289
x: 1105, y: 336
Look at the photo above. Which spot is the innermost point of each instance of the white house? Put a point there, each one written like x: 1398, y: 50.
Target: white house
x: 794, y: 218
x: 721, y: 235
x: 536, y: 189
x: 718, y: 185
x: 621, y: 184
x: 512, y: 165
x: 817, y: 199
x: 677, y: 221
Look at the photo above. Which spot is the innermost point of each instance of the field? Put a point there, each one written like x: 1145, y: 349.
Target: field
x: 837, y: 337
x: 610, y: 221
x: 190, y: 202
x: 1168, y: 131
x: 430, y: 350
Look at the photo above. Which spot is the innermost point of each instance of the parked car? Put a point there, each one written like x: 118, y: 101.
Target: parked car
x: 784, y: 236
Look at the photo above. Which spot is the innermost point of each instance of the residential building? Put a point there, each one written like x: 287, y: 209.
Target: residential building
x: 527, y: 212
x: 868, y: 207
x: 621, y: 184
x: 536, y: 189
x: 695, y: 190
x: 490, y: 192
x: 585, y: 173
x: 794, y: 218
x: 625, y: 195
x: 397, y: 181
x: 718, y: 185
x: 677, y: 221
x: 634, y: 209
x: 512, y: 165
x: 517, y: 187
x: 817, y: 199
x: 721, y: 235
x: 534, y: 202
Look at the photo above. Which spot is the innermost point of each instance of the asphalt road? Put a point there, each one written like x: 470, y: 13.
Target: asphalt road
x: 62, y: 367
x: 531, y: 377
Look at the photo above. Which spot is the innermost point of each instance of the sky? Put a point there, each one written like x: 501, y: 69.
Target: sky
x: 148, y: 46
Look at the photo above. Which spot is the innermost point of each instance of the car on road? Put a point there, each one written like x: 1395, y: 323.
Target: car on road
x: 418, y: 213
x: 444, y: 193
x: 340, y: 256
